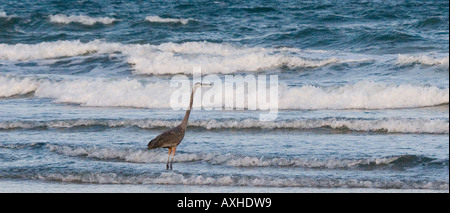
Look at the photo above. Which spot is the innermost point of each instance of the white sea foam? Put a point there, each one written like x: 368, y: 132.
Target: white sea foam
x: 134, y: 93
x: 390, y: 125
x: 422, y: 59
x: 129, y: 155
x: 16, y: 86
x: 167, y: 20
x: 86, y: 20
x: 213, y: 58
x: 385, y: 124
x: 92, y: 92
x: 102, y: 92
x: 172, y: 178
x: 234, y: 160
x: 362, y: 95
x: 48, y: 50
x: 3, y: 14
x: 171, y: 58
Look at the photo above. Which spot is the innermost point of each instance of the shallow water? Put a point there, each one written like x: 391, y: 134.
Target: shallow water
x: 363, y: 96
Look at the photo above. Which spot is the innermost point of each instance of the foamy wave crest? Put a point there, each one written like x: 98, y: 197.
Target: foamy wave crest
x: 103, y: 92
x: 47, y: 50
x: 362, y: 95
x: 171, y: 58
x: 92, y: 92
x: 6, y: 16
x: 217, y: 58
x: 128, y: 155
x: 172, y: 178
x: 134, y: 93
x: 16, y: 86
x: 422, y: 59
x: 390, y: 125
x: 3, y: 14
x: 235, y: 160
x: 77, y: 123
x: 167, y: 20
x: 86, y: 20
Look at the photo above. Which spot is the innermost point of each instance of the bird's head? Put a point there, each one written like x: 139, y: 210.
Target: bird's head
x: 197, y: 85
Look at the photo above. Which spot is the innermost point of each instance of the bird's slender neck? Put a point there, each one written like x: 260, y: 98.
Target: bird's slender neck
x: 188, y: 111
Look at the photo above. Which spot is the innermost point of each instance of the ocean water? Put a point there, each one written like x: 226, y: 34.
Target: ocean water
x: 363, y: 96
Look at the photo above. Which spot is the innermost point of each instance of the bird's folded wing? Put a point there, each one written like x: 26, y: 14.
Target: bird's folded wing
x: 170, y: 138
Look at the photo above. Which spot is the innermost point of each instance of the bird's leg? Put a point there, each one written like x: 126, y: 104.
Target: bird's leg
x: 173, y: 155
x: 168, y: 157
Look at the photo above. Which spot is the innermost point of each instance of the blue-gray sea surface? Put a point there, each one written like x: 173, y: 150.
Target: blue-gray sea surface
x: 363, y: 97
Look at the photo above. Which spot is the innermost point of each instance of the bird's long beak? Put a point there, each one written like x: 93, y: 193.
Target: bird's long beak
x: 207, y: 85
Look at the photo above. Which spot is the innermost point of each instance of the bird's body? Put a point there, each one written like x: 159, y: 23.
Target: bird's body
x: 172, y: 137
x: 168, y: 139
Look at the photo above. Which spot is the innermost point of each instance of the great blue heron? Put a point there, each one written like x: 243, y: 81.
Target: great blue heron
x: 172, y: 137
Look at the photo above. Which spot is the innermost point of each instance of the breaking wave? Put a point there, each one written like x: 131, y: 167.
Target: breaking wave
x: 134, y: 155
x: 235, y: 160
x: 135, y: 93
x: 174, y: 178
x: 3, y: 14
x: 389, y: 125
x: 61, y: 174
x: 48, y: 50
x: 167, y: 20
x: 422, y: 59
x: 236, y: 180
x: 362, y: 95
x: 82, y: 19
x: 16, y: 86
x: 171, y: 58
